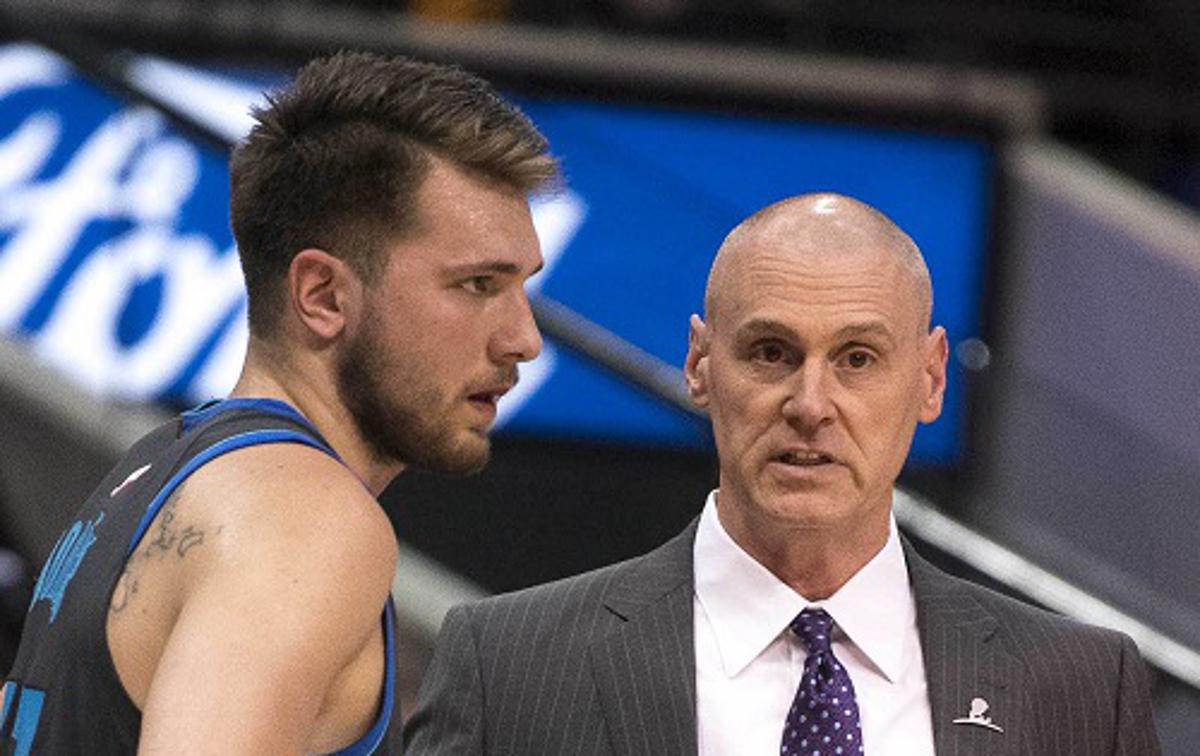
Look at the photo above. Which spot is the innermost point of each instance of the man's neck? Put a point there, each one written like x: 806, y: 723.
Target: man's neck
x: 312, y: 391
x: 814, y: 561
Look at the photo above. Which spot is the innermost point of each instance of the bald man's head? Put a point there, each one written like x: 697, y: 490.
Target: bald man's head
x: 820, y: 226
x: 816, y: 364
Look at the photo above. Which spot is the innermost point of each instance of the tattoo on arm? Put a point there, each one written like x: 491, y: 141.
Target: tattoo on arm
x: 167, y: 538
x: 189, y: 538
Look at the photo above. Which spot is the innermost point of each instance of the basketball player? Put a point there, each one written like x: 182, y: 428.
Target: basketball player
x: 225, y: 589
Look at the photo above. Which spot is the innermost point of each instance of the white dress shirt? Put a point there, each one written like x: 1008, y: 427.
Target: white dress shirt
x: 748, y: 665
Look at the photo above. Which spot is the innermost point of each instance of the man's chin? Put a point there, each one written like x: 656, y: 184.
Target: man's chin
x: 812, y: 508
x: 477, y: 460
x: 467, y: 456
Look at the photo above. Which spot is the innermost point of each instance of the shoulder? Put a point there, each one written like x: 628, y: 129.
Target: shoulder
x: 1021, y: 618
x: 1043, y: 641
x: 577, y: 609
x: 292, y: 513
x: 561, y: 598
x: 1088, y: 683
x: 294, y: 492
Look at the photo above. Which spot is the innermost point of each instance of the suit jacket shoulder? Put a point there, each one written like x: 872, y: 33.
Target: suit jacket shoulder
x: 580, y: 665
x: 1055, y: 685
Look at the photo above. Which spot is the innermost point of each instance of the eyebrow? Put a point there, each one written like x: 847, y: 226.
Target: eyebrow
x: 857, y: 330
x: 757, y: 326
x: 502, y: 267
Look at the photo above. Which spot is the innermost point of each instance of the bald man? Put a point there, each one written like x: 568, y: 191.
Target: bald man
x: 790, y: 617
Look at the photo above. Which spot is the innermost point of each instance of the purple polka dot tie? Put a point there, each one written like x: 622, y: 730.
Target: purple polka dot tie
x: 823, y: 720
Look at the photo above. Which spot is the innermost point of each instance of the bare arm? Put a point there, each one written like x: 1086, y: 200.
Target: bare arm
x: 289, y: 597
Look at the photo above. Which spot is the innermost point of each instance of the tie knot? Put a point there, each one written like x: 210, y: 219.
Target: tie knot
x: 815, y: 628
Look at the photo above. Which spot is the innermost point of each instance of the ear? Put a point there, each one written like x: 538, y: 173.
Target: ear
x: 695, y: 366
x: 321, y: 291
x: 933, y: 378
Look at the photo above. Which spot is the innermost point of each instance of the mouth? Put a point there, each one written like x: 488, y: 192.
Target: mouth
x: 487, y: 398
x: 805, y: 458
x: 485, y: 402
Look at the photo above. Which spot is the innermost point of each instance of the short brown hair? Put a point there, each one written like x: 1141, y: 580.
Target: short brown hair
x: 336, y: 159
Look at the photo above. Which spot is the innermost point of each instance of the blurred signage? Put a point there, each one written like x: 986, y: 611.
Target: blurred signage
x: 121, y: 269
x: 115, y: 250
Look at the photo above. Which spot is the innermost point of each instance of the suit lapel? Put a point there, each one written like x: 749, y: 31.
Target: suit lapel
x: 964, y: 661
x: 645, y: 670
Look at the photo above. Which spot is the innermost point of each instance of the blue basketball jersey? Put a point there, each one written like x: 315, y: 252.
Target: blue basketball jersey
x: 63, y: 695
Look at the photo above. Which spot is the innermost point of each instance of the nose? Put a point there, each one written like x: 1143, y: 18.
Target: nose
x: 519, y: 339
x: 809, y: 404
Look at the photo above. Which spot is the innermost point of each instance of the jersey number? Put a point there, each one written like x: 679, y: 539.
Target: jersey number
x: 22, y: 709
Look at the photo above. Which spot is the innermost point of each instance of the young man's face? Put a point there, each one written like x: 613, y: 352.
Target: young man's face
x: 445, y: 325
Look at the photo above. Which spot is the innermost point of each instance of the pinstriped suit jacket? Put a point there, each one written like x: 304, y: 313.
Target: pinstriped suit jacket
x: 604, y: 664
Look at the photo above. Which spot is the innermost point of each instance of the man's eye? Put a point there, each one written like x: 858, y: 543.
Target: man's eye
x: 859, y: 359
x: 479, y: 284
x: 769, y: 353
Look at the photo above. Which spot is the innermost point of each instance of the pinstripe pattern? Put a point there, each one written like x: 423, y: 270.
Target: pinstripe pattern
x: 603, y: 664
x: 1056, y: 687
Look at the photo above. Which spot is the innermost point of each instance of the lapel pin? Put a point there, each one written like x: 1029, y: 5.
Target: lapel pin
x: 978, y: 716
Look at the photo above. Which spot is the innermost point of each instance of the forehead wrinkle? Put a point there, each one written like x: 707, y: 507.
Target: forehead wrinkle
x: 765, y: 325
x: 775, y: 280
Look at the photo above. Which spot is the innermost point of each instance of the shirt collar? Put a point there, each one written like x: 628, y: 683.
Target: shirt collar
x: 748, y: 607
x: 875, y: 607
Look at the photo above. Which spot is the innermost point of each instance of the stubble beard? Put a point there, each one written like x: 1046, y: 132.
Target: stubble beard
x: 408, y: 427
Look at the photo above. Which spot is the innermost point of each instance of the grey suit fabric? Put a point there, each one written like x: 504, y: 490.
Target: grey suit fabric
x: 604, y: 664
